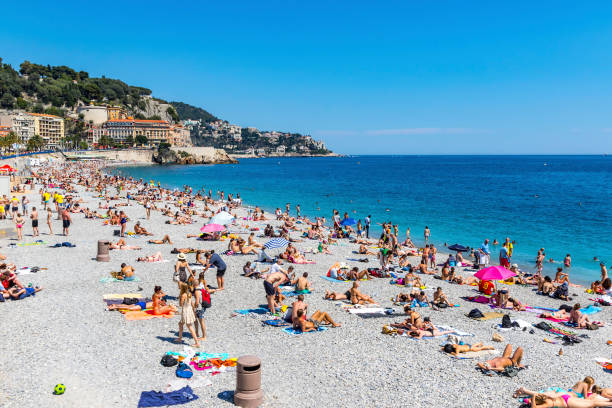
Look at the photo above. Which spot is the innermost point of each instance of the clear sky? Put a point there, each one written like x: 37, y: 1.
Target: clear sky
x: 406, y: 77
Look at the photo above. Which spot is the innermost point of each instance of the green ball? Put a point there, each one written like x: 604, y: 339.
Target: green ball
x: 59, y: 389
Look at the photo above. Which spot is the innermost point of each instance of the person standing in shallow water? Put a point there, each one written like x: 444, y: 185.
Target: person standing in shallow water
x: 426, y: 233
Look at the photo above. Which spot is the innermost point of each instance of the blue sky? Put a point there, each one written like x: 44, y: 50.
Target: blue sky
x: 396, y: 77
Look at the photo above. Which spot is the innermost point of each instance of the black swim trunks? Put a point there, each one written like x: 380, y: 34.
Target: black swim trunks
x: 34, y: 223
x: 66, y: 223
x: 269, y: 288
x: 220, y: 273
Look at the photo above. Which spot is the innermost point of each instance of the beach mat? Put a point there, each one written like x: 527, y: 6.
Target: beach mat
x: 474, y: 354
x: 294, y: 332
x: 244, y: 312
x: 276, y: 323
x: 111, y: 279
x: 121, y: 295
x: 490, y: 315
x: 332, y: 279
x: 292, y: 293
x: 145, y: 315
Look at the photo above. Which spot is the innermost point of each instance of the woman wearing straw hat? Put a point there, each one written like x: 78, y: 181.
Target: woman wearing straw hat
x: 181, y: 267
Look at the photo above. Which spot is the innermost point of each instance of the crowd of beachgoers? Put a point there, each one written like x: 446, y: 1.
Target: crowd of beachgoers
x: 206, y: 258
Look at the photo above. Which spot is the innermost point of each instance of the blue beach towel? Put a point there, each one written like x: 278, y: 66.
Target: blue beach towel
x: 276, y: 323
x: 259, y: 310
x: 590, y: 310
x: 292, y: 331
x: 332, y: 279
x: 162, y: 399
x: 111, y: 279
x: 29, y: 292
x: 291, y: 293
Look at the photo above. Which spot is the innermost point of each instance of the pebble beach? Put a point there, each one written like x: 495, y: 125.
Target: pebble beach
x: 64, y: 334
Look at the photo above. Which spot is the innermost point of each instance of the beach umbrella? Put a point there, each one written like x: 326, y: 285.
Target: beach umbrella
x: 212, y: 228
x: 223, y: 218
x: 7, y: 168
x: 458, y: 248
x: 348, y: 222
x: 493, y: 273
x: 276, y: 243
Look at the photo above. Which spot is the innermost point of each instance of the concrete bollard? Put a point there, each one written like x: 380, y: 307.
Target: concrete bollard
x: 248, y: 392
x: 103, y: 248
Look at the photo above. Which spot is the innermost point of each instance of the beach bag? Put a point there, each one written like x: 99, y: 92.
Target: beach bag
x: 184, y: 371
x: 561, y: 292
x: 511, y: 371
x: 544, y: 326
x: 475, y: 314
x: 205, y: 298
x: 592, y: 326
x: 506, y: 322
x: 168, y: 361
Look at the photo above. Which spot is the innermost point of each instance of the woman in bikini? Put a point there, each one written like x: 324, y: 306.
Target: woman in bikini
x: 456, y: 349
x: 559, y: 400
x: 19, y: 225
x: 159, y: 304
x: 49, y: 217
x: 317, y: 319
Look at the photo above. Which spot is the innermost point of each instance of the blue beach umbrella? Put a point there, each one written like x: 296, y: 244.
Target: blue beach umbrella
x: 348, y: 222
x: 276, y: 243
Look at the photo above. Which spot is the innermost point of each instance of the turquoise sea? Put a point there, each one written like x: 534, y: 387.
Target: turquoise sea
x: 561, y: 203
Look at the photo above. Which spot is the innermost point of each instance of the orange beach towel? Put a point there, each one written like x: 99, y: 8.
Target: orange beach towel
x: 145, y: 315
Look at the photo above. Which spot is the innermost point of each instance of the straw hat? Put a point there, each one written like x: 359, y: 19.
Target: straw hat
x: 181, y: 256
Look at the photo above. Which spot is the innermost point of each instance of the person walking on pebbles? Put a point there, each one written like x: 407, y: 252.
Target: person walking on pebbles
x: 188, y: 317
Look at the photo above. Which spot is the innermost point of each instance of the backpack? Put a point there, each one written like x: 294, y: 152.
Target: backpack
x: 205, y: 298
x: 168, y: 361
x: 506, y: 322
x: 475, y: 314
x: 184, y: 371
x: 544, y: 326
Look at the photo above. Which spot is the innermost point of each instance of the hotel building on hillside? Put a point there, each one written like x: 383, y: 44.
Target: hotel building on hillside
x: 156, y: 131
x: 179, y: 136
x: 27, y: 125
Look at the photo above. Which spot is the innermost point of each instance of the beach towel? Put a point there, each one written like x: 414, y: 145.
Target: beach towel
x: 39, y: 242
x: 455, y: 331
x: 29, y: 270
x: 108, y: 279
x: 552, y: 329
x: 145, y: 315
x: 474, y: 354
x: 292, y: 293
x: 554, y: 319
x: 294, y: 332
x: 590, y: 310
x: 478, y: 299
x: 276, y: 322
x: 162, y: 399
x: 244, y: 312
x: 121, y: 295
x: 302, y: 262
x: 490, y: 315
x: 29, y: 292
x: 332, y: 279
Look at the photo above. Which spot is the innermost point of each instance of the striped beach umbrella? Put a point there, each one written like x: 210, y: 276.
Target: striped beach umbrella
x: 276, y: 243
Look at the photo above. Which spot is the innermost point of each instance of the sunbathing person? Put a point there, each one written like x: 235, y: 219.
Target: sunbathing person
x: 439, y: 298
x: 159, y: 304
x: 337, y: 295
x: 136, y: 306
x: 359, y: 298
x: 183, y: 250
x: 364, y: 251
x: 545, y: 286
x: 164, y: 240
x: 429, y: 331
x: 561, y: 314
x: 460, y: 280
x: 500, y: 363
x: 582, y: 388
x: 254, y: 243
x: 413, y: 320
x: 456, y: 349
x: 423, y: 269
x: 126, y: 273
x: 317, y: 319
x: 121, y: 244
x: 553, y: 399
x: 355, y: 274
x: 578, y: 318
x: 156, y: 257
x: 16, y: 292
x: 245, y: 249
x: 138, y: 230
x: 302, y: 283
x: 9, y: 280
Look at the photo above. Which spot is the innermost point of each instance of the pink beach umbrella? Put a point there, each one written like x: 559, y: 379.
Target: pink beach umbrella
x: 493, y: 273
x: 212, y: 228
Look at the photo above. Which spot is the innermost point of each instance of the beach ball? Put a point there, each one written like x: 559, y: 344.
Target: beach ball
x: 59, y: 389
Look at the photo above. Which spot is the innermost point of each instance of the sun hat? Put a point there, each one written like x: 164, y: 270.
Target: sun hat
x: 181, y: 256
x: 515, y: 265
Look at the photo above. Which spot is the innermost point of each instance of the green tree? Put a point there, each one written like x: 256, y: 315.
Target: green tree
x: 35, y: 143
x: 7, y: 101
x: 172, y: 112
x: 83, y: 145
x: 22, y: 103
x: 141, y: 140
x: 129, y: 141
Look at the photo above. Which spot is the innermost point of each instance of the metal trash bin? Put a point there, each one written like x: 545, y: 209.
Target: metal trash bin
x: 103, y: 248
x: 248, y: 392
